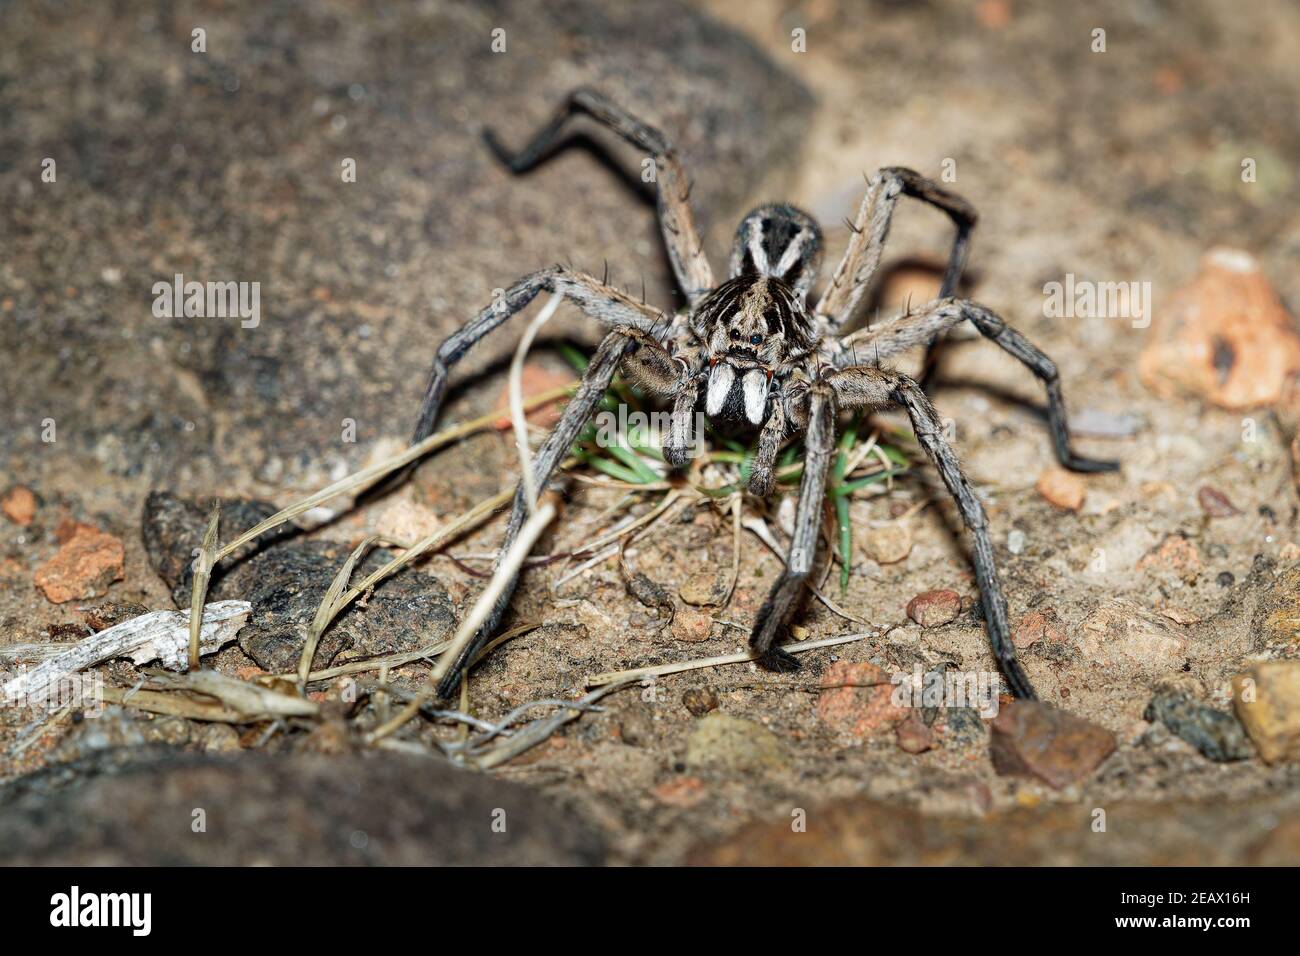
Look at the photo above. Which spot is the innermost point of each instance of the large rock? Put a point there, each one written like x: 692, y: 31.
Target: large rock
x: 1264, y: 831
x: 285, y: 580
x: 124, y: 808
x: 1267, y: 701
x: 226, y: 165
x: 1226, y: 337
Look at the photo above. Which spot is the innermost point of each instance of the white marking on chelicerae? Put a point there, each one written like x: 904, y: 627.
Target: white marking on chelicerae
x: 163, y: 635
x: 719, y: 387
x: 755, y: 384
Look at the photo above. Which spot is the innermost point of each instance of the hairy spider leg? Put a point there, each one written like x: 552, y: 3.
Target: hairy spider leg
x: 868, y: 387
x: 784, y: 596
x: 870, y: 229
x: 908, y: 331
x: 676, y: 220
x: 603, y: 303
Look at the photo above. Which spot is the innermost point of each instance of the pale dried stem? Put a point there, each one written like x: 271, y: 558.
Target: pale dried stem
x: 515, y: 391
x: 505, y: 572
x: 660, y: 670
x: 376, y: 471
x: 203, y: 565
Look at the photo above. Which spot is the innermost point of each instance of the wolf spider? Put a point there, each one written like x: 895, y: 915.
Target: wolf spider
x: 758, y: 355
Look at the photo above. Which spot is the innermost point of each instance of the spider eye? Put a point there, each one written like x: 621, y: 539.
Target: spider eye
x: 755, y: 339
x: 735, y: 333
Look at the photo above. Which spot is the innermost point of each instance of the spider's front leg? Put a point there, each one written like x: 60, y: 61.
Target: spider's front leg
x: 870, y: 387
x: 789, y: 412
x: 819, y: 443
x: 595, y: 380
x: 668, y: 376
x: 602, y: 302
x: 762, y: 470
x: 870, y: 228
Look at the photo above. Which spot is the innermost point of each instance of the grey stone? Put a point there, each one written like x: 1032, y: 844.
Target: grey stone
x: 138, y: 807
x: 286, y: 579
x: 227, y: 166
x: 1217, y: 735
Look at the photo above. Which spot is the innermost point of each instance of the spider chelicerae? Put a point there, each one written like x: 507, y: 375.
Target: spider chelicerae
x: 754, y: 352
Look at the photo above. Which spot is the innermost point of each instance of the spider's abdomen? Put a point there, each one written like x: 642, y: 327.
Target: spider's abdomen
x: 779, y: 241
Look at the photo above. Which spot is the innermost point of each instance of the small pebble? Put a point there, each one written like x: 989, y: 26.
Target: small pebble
x: 1126, y: 635
x: 218, y: 738
x: 19, y: 505
x: 1226, y: 337
x: 914, y: 737
x: 705, y: 588
x: 1176, y: 554
x: 933, y: 608
x: 889, y: 544
x: 963, y: 726
x: 857, y: 700
x: 1016, y: 541
x: 681, y: 792
x: 1267, y: 702
x: 691, y: 625
x: 173, y: 731
x: 1225, y: 579
x: 700, y: 700
x: 1218, y: 736
x: 1032, y: 628
x: 84, y: 567
x: 66, y: 631
x: 1215, y: 503
x: 1062, y: 488
x: 112, y: 613
x: 1034, y: 739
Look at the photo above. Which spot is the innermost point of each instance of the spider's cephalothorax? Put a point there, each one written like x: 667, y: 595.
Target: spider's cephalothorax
x: 751, y: 351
